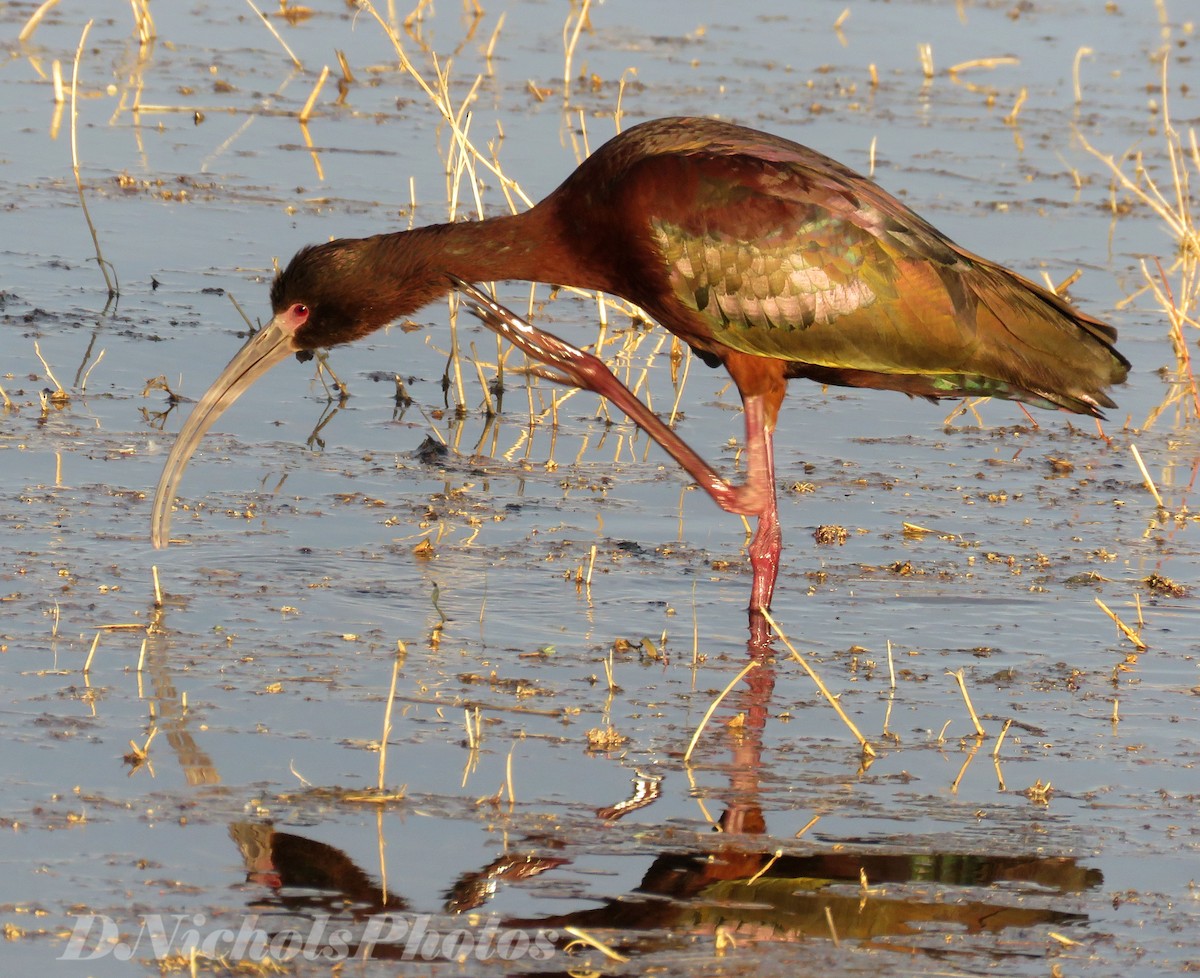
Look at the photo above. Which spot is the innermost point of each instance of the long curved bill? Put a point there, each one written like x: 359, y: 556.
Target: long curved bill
x: 269, y: 346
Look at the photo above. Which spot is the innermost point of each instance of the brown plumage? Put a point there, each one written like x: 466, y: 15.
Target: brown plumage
x: 763, y: 255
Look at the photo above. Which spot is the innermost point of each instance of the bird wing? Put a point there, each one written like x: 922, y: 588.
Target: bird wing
x: 797, y: 258
x: 786, y: 262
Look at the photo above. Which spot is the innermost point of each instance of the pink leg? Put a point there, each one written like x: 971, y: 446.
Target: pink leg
x: 754, y: 497
x: 768, y: 540
x: 578, y: 368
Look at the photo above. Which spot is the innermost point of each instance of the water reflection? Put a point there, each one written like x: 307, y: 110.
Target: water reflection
x: 739, y: 885
x: 740, y: 882
x: 745, y: 891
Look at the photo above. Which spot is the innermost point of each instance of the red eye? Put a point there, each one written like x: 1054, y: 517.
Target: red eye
x: 299, y: 311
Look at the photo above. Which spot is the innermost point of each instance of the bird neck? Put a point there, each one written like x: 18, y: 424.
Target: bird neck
x: 529, y: 246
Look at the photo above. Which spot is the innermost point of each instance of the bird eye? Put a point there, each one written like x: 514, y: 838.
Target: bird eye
x: 300, y: 311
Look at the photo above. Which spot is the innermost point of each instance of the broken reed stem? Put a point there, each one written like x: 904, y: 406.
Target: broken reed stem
x: 1137, y: 457
x: 1128, y: 632
x: 306, y: 112
x: 591, y: 566
x: 472, y: 730
x: 108, y: 282
x: 1011, y: 118
x: 158, y: 598
x: 925, y: 53
x: 46, y: 367
x: 1166, y: 298
x: 830, y: 698
x: 807, y: 825
x: 832, y: 930
x: 1079, y: 56
x: 999, y: 740
x: 569, y: 45
x: 241, y: 312
x: 962, y: 686
x: 508, y: 778
x: 35, y: 18
x: 585, y: 938
x: 769, y: 863
x: 88, y: 373
x: 712, y: 708
x: 982, y: 63
x: 87, y: 665
x: 608, y: 672
x: 143, y: 21
x: 401, y: 652
x: 962, y: 771
x: 441, y: 102
x: 271, y: 27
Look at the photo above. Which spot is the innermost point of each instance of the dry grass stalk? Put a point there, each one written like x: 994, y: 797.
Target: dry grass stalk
x: 88, y: 372
x: 87, y: 665
x: 143, y: 20
x: 1128, y: 632
x: 491, y: 44
x: 962, y: 771
x: 962, y: 685
x: 1137, y: 457
x: 581, y: 19
x: 832, y: 930
x: 1177, y: 210
x: 807, y: 825
x: 508, y: 778
x: 35, y: 18
x: 58, y: 388
x: 583, y: 937
x: 1011, y: 118
x: 401, y: 652
x: 466, y: 158
x: 982, y: 63
x: 141, y: 754
x: 999, y: 740
x: 1082, y: 53
x: 113, y: 291
x: 271, y: 27
x: 830, y: 698
x: 925, y: 52
x: 712, y: 708
x: 441, y: 100
x: 767, y: 865
x: 473, y: 722
x: 306, y: 112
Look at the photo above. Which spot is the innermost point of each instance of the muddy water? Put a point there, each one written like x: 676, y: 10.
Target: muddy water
x: 315, y: 535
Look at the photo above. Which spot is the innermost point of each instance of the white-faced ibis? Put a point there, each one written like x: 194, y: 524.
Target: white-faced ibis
x: 761, y: 254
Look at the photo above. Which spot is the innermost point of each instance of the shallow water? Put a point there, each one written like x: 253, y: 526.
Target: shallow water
x: 266, y: 674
